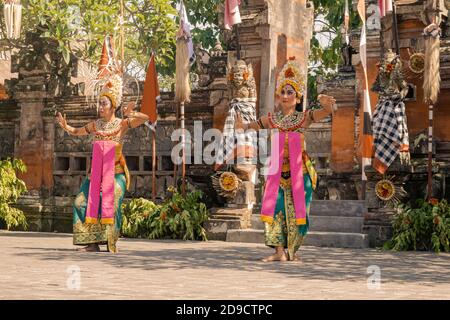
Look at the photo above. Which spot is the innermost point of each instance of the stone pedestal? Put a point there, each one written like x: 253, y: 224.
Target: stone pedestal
x: 223, y: 219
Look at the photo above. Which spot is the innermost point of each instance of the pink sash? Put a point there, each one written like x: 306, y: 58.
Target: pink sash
x: 274, y: 176
x: 102, y: 180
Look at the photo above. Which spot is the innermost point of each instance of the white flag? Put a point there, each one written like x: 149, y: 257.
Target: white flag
x: 186, y: 26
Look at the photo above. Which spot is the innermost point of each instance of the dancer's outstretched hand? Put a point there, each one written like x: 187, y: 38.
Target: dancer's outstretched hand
x: 129, y: 108
x: 62, y: 121
x: 327, y: 102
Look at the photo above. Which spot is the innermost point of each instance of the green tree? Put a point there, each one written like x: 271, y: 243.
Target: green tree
x: 324, y: 59
x: 11, y: 188
x: 79, y: 27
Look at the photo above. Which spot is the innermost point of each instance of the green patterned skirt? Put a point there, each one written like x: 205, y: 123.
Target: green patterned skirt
x: 283, y: 231
x: 84, y: 234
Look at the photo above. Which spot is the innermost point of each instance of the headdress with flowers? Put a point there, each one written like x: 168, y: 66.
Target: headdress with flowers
x: 390, y: 79
x: 107, y: 80
x: 292, y: 75
x: 113, y: 90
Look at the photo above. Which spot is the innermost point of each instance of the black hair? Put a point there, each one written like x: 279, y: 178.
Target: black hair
x: 299, y: 106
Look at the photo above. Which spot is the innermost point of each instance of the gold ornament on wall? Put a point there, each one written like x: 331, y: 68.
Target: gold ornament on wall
x: 387, y: 191
x: 226, y: 184
x: 417, y: 63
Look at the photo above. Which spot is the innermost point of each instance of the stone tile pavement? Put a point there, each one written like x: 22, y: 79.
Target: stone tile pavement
x: 39, y: 266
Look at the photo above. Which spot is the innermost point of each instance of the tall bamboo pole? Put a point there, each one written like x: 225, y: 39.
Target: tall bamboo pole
x: 154, y: 165
x: 183, y: 146
x: 122, y: 44
x: 394, y: 16
x: 430, y: 152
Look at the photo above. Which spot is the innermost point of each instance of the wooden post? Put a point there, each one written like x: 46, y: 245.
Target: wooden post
x: 394, y: 16
x: 430, y: 152
x: 122, y: 45
x: 238, y: 53
x: 183, y: 146
x: 154, y: 165
x: 175, y: 166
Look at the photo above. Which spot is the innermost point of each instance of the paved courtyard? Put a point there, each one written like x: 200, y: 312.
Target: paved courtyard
x: 45, y: 266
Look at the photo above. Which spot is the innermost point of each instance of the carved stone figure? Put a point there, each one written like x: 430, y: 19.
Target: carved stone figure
x: 346, y: 53
x: 241, y: 82
x: 238, y: 157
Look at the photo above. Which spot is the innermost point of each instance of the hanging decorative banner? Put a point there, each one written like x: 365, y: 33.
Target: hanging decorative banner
x: 12, y: 11
x: 367, y: 139
x: 151, y: 94
x: 232, y: 15
x: 186, y: 31
x: 385, y: 7
x: 346, y: 22
x: 108, y: 63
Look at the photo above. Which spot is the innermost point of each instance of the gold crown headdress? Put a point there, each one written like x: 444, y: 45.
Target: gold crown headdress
x: 113, y: 90
x: 109, y: 72
x: 292, y: 75
x: 107, y: 79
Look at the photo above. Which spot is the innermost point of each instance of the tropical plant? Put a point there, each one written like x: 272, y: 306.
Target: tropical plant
x: 177, y: 218
x: 181, y: 217
x: 426, y: 227
x: 134, y: 215
x: 11, y: 188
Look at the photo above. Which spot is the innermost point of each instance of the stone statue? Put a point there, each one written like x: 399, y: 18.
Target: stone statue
x: 346, y: 53
x: 237, y: 152
x: 241, y: 83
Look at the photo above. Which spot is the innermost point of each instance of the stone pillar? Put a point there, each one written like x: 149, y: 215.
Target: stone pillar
x: 270, y: 33
x: 30, y: 94
x: 342, y: 88
x: 33, y: 89
x: 287, y: 32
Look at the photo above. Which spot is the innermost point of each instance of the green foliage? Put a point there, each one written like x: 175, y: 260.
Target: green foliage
x: 10, y: 190
x: 79, y: 28
x: 325, y: 60
x: 424, y: 228
x: 134, y: 217
x: 203, y: 15
x: 177, y: 218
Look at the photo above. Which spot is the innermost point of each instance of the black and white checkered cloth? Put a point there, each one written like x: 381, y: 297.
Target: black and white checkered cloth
x: 247, y: 109
x: 390, y: 129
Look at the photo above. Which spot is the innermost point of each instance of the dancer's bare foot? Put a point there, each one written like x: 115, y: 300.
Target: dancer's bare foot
x: 278, y: 256
x: 90, y: 248
x: 297, y: 258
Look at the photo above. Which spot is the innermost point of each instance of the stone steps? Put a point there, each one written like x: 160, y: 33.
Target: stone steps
x: 341, y: 208
x: 314, y: 238
x: 332, y: 224
x: 323, y: 223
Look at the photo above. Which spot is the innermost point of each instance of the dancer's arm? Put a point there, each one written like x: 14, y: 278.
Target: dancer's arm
x: 87, y: 129
x: 327, y: 103
x: 134, y: 118
x: 261, y: 123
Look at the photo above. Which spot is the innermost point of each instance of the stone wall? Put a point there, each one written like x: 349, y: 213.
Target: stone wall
x: 48, y: 206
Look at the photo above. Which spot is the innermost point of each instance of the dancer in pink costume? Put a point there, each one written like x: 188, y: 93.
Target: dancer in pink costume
x: 291, y: 178
x: 97, y: 214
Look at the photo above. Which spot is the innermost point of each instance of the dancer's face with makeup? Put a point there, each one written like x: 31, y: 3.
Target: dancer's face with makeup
x: 288, y: 97
x: 105, y: 107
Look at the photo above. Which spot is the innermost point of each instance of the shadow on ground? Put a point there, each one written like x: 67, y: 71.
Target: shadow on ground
x: 334, y: 264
